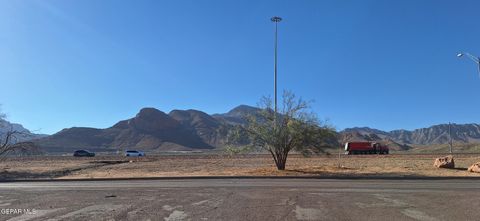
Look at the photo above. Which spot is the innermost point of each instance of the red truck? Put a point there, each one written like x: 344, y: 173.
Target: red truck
x: 365, y: 148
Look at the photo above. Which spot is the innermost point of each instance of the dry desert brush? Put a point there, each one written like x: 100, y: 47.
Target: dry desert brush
x: 292, y: 128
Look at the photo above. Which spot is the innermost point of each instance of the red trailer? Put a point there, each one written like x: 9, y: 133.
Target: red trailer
x: 365, y: 148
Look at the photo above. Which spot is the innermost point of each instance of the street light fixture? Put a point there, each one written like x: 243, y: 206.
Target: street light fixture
x: 471, y: 57
x: 276, y: 20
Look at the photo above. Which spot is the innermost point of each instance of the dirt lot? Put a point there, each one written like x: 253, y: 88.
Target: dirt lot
x: 218, y: 165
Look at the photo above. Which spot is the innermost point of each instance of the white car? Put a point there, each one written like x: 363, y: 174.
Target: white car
x: 134, y: 153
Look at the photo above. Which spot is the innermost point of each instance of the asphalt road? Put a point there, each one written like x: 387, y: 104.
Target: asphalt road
x: 242, y: 199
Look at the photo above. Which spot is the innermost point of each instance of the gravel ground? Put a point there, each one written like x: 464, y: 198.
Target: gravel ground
x: 221, y: 165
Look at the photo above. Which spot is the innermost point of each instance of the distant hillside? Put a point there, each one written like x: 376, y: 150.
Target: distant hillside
x: 439, y: 134
x: 367, y: 134
x: 445, y: 148
x: 434, y: 135
x: 155, y: 131
x: 201, y: 124
x: 237, y: 115
x: 150, y: 130
x: 25, y: 134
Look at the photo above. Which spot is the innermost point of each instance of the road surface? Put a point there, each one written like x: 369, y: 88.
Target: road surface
x: 241, y: 199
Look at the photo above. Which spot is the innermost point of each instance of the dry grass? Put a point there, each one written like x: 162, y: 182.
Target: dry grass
x: 215, y: 165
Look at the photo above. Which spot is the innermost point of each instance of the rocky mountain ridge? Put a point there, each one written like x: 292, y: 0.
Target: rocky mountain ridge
x: 155, y: 131
x: 437, y: 134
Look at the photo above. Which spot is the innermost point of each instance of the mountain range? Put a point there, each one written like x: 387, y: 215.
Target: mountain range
x: 405, y: 139
x: 152, y: 130
x: 155, y: 131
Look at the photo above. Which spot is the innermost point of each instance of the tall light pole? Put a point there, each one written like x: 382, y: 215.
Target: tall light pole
x: 450, y: 135
x: 473, y: 58
x: 276, y: 20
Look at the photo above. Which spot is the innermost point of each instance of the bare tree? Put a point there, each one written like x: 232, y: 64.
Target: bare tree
x: 291, y: 129
x: 10, y: 144
x: 346, y: 137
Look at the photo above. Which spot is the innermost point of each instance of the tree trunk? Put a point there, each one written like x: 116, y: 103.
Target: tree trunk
x: 281, y: 161
x: 281, y: 165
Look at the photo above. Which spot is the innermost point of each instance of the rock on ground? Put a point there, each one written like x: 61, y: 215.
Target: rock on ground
x: 444, y: 162
x: 474, y: 168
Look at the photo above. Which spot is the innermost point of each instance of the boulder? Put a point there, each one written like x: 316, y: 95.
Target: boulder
x: 474, y: 168
x: 444, y: 162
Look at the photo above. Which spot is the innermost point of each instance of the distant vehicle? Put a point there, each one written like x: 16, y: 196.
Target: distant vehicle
x: 83, y: 153
x: 365, y: 148
x: 134, y: 153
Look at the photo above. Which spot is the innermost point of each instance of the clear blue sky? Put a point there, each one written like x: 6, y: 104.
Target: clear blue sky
x: 382, y: 64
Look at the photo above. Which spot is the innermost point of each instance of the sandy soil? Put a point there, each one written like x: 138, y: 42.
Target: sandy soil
x: 218, y: 165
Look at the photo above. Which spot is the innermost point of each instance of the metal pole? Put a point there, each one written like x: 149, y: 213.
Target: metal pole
x: 275, y: 68
x: 275, y: 19
x: 339, y: 151
x: 478, y: 63
x: 473, y: 58
x: 450, y: 134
